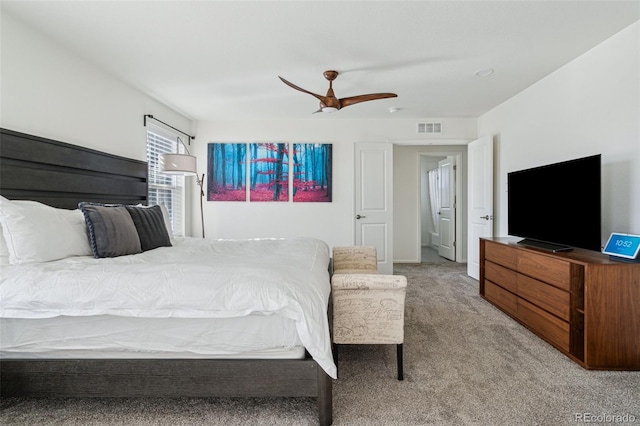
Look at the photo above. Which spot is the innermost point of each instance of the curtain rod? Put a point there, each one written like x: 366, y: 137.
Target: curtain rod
x: 168, y: 125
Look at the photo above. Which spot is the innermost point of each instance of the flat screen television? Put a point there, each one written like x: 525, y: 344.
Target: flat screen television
x: 557, y: 206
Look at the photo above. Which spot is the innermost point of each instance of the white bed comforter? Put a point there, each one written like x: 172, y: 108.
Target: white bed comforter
x: 196, y: 278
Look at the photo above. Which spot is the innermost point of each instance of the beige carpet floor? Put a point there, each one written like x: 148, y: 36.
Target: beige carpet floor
x: 466, y: 363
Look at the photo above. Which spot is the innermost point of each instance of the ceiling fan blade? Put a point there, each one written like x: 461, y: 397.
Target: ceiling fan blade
x: 344, y: 102
x: 293, y: 86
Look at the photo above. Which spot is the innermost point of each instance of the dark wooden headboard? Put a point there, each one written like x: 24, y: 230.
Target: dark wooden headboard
x: 61, y: 175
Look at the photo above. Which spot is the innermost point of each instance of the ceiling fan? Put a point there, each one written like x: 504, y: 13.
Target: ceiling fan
x: 329, y: 102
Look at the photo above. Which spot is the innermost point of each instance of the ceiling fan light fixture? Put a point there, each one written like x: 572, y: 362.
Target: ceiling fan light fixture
x: 329, y: 109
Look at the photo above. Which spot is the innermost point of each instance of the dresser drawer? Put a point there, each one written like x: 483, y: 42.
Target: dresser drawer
x: 501, y: 254
x: 500, y: 297
x: 545, y: 268
x: 548, y: 297
x: 502, y: 276
x: 545, y: 325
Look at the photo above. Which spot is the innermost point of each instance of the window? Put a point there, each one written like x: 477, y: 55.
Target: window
x: 165, y: 189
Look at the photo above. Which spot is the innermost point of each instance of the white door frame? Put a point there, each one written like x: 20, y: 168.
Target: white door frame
x: 461, y: 202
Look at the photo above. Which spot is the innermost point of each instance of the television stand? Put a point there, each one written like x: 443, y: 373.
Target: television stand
x: 580, y: 302
x: 543, y: 245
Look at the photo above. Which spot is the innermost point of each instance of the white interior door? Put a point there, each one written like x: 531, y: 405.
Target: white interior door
x: 480, y: 200
x: 447, y: 213
x: 374, y: 200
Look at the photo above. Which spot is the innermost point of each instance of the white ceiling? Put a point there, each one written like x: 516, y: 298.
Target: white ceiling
x: 221, y: 59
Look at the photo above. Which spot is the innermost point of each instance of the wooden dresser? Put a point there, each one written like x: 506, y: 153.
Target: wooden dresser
x: 583, y: 304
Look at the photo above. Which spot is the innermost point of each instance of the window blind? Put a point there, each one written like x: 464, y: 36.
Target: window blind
x: 165, y: 189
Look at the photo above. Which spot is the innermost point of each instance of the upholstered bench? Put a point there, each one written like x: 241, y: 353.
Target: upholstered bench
x: 369, y: 309
x: 355, y: 260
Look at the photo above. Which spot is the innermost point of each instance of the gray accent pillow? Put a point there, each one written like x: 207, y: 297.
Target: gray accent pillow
x: 149, y: 222
x: 111, y: 230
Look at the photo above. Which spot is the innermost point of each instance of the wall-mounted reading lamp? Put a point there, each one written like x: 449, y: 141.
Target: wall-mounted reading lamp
x: 181, y: 164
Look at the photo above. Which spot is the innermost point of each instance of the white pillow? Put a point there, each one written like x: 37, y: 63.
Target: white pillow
x: 35, y: 232
x: 167, y: 219
x: 4, y: 250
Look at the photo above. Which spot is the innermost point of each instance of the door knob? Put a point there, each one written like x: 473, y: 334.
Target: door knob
x: 360, y: 217
x: 486, y: 217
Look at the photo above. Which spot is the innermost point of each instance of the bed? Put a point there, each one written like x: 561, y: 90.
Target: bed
x: 78, y: 326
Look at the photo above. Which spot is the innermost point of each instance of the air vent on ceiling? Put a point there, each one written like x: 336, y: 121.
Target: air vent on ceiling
x: 429, y: 128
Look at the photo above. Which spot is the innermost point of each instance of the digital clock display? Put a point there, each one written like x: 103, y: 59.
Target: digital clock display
x: 623, y: 245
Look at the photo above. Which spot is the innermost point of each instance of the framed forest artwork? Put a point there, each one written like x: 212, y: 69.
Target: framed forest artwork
x: 268, y: 172
x: 312, y: 171
x: 226, y: 172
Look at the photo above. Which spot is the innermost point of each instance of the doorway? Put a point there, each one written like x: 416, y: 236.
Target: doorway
x: 440, y: 225
x: 429, y: 205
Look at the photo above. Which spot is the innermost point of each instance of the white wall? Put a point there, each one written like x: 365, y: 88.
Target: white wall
x: 48, y: 91
x: 333, y: 222
x: 589, y: 106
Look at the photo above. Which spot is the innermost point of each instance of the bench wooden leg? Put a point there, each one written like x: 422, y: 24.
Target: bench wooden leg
x: 400, y: 367
x: 335, y: 357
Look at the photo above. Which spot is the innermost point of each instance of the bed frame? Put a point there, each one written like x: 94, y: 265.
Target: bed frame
x: 61, y: 175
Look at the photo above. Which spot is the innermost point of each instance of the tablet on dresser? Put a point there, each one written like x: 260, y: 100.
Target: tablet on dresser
x: 625, y: 246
